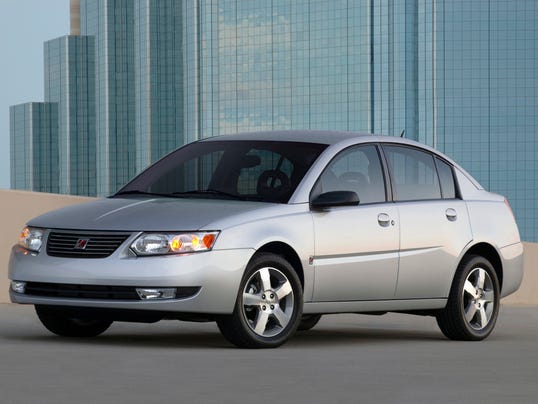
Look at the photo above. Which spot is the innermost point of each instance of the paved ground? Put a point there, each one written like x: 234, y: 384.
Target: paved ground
x: 345, y: 359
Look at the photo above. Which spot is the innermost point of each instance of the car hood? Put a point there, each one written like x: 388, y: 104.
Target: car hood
x: 146, y: 214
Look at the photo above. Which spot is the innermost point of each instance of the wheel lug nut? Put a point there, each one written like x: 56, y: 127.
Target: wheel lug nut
x: 272, y: 307
x: 272, y: 296
x: 264, y: 307
x: 263, y: 296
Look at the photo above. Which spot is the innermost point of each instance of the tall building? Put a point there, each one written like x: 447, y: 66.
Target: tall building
x: 456, y: 74
x: 111, y: 23
x: 70, y: 84
x: 34, y: 146
x: 486, y: 83
x: 343, y: 65
x: 158, y: 80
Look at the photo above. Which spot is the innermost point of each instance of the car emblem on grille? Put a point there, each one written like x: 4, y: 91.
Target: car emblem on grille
x: 81, y: 244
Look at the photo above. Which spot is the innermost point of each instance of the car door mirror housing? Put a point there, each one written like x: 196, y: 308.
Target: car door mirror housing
x: 335, y: 198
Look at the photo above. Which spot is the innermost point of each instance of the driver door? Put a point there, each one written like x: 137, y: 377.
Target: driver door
x: 356, y: 247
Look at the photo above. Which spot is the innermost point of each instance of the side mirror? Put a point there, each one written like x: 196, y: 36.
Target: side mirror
x: 335, y: 198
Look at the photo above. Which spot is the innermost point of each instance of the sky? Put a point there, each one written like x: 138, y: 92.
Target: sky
x: 24, y: 26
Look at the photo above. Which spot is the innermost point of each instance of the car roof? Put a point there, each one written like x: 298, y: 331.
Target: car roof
x: 307, y: 136
x: 327, y: 137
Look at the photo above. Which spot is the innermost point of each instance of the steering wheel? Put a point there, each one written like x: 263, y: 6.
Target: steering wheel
x: 273, y: 184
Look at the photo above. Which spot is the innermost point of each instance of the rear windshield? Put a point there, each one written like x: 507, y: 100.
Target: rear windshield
x: 265, y: 171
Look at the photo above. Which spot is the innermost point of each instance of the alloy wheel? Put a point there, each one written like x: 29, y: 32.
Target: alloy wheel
x: 478, y: 298
x: 268, y: 302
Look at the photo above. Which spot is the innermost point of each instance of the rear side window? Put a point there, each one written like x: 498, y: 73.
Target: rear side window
x: 446, y: 177
x: 414, y: 176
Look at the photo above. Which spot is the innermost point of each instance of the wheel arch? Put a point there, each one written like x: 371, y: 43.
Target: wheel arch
x: 288, y: 253
x: 489, y: 252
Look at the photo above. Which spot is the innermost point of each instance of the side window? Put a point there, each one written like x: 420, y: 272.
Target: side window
x: 357, y: 169
x: 446, y: 177
x: 413, y: 174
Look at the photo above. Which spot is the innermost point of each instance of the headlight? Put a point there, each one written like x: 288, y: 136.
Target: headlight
x: 31, y: 238
x: 173, y: 243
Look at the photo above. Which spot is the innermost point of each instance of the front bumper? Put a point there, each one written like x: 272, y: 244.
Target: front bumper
x: 218, y: 274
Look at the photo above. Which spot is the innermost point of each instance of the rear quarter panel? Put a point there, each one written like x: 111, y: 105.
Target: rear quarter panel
x: 492, y: 222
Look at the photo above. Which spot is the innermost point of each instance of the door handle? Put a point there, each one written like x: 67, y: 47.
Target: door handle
x: 383, y: 219
x: 451, y: 214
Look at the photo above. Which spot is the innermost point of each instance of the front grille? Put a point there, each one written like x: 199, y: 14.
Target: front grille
x: 84, y: 245
x: 103, y: 292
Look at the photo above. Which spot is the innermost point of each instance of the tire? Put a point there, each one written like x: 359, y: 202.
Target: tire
x: 60, y: 322
x: 473, y: 304
x: 268, y: 307
x: 308, y: 321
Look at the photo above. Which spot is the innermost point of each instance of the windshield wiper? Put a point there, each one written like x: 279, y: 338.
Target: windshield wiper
x: 208, y: 191
x: 139, y: 192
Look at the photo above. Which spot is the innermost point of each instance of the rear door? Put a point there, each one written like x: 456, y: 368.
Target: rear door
x: 434, y: 222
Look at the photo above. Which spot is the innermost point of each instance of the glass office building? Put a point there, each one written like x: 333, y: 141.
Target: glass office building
x: 34, y: 146
x: 70, y: 83
x: 111, y: 23
x: 487, y: 97
x: 158, y: 40
x: 456, y: 74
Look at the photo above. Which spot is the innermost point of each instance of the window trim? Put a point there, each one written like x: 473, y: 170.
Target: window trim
x: 457, y: 193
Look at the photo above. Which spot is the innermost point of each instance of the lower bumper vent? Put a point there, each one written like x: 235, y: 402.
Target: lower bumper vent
x: 100, y: 292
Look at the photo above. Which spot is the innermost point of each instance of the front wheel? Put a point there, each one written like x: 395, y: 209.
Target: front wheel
x: 473, y: 304
x: 62, y: 323
x: 268, y: 306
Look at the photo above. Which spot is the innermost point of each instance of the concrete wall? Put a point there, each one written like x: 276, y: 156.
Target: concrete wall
x: 528, y: 292
x: 16, y: 207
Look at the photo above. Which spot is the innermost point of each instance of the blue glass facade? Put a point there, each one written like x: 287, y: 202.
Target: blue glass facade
x: 34, y: 146
x: 456, y: 74
x: 158, y: 79
x: 487, y: 93
x: 70, y: 82
x: 111, y: 23
x: 343, y: 65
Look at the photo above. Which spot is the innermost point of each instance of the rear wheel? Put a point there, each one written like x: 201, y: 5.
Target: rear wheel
x: 268, y: 306
x: 60, y: 322
x: 473, y: 305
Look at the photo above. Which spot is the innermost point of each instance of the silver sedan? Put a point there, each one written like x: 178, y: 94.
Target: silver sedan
x: 265, y: 232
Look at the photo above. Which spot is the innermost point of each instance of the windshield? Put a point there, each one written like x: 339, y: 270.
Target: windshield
x: 264, y: 171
